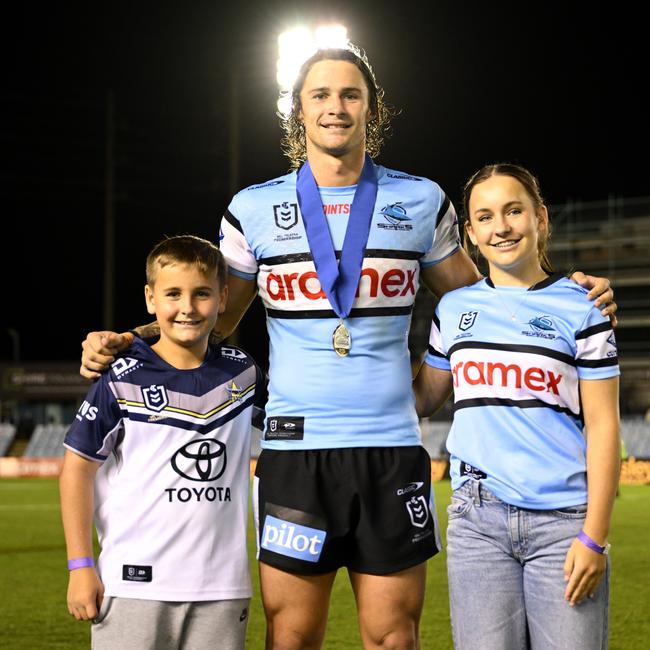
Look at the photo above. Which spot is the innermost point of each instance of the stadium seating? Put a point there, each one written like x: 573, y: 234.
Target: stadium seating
x: 7, y: 435
x: 634, y: 431
x: 611, y: 238
x: 46, y: 441
x: 636, y: 436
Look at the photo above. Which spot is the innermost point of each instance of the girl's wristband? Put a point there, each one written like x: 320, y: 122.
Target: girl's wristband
x: 589, y: 543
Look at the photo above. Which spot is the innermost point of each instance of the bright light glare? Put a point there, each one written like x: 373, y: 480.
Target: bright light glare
x: 331, y: 36
x: 295, y: 46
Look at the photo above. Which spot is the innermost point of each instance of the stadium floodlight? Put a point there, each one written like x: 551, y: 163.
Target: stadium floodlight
x: 295, y: 46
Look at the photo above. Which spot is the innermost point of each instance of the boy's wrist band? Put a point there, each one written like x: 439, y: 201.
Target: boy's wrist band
x: 80, y: 563
x: 589, y: 543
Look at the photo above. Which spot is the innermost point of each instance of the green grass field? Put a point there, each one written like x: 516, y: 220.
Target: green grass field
x: 33, y: 577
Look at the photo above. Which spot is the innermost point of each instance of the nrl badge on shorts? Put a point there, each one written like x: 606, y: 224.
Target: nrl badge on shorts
x: 418, y: 511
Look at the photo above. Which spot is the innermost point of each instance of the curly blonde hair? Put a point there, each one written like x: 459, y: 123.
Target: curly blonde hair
x: 378, y: 128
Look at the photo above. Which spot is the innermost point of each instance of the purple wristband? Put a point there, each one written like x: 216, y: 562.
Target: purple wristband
x: 80, y: 563
x: 589, y: 543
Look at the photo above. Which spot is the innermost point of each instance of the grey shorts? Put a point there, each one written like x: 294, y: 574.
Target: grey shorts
x: 135, y: 624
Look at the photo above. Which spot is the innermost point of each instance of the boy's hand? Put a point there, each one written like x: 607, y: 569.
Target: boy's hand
x: 99, y: 350
x: 600, y: 291
x: 85, y: 593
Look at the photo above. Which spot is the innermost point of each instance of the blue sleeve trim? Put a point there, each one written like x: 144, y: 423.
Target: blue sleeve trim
x: 241, y: 274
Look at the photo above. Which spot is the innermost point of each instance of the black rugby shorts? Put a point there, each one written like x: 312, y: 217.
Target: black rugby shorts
x: 368, y: 509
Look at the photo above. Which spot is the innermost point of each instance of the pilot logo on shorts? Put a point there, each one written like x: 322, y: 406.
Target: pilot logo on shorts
x: 418, y: 511
x: 155, y: 397
x: 294, y: 540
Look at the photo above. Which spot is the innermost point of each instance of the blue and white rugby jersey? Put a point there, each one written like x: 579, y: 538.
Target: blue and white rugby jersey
x: 318, y: 400
x: 171, y: 497
x: 517, y: 415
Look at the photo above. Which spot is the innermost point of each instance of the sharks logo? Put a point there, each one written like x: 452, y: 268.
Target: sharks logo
x: 395, y: 215
x: 541, y: 324
x: 540, y: 327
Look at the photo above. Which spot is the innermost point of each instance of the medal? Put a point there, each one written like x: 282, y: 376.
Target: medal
x: 341, y: 340
x: 339, y: 281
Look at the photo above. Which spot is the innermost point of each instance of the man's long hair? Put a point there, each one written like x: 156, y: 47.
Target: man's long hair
x: 378, y: 126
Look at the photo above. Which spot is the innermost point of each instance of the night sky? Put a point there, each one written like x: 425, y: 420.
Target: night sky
x: 555, y: 86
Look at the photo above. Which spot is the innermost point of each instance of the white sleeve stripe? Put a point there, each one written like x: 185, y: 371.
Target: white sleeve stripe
x: 444, y: 209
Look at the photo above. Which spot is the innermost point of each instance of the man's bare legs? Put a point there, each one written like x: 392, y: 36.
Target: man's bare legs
x: 296, y: 608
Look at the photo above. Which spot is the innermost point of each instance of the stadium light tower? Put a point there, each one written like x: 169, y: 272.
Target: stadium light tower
x: 295, y: 46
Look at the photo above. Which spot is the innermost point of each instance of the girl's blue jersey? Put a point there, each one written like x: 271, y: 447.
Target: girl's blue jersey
x: 517, y: 419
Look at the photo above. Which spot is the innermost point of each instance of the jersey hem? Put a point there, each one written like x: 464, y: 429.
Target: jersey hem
x: 179, y: 598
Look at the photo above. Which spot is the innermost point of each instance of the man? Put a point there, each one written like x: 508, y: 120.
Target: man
x: 343, y: 479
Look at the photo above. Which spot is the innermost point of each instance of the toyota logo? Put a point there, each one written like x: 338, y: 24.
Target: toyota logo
x: 200, y: 460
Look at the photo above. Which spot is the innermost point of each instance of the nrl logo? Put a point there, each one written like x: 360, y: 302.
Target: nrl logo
x: 155, y: 398
x: 418, y: 511
x: 286, y: 215
x: 467, y: 319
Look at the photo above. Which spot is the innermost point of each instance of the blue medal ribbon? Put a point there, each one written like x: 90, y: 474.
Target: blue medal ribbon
x: 339, y: 281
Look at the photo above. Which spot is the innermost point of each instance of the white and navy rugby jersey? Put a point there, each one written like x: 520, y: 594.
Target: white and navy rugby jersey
x: 316, y: 399
x: 517, y: 420
x: 171, y: 497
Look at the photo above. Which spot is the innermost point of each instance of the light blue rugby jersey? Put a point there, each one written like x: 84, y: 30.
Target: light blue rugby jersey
x: 517, y: 412
x: 318, y: 400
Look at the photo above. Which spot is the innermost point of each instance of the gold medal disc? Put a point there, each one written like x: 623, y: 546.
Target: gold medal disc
x: 341, y: 340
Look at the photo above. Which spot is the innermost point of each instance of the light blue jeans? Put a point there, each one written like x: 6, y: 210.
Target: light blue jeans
x: 506, y: 577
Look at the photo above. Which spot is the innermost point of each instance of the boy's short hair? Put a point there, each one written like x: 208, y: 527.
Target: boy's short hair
x: 187, y: 249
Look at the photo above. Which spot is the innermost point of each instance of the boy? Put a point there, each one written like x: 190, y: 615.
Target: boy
x: 165, y: 438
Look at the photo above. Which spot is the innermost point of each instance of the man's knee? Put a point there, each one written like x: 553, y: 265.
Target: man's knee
x: 403, y: 638
x: 282, y: 636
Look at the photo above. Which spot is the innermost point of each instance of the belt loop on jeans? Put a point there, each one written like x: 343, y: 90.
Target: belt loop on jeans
x: 476, y: 492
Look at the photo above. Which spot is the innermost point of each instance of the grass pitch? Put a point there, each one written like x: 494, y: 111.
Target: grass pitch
x: 33, y: 577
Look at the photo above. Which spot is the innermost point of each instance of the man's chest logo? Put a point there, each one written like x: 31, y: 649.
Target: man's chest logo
x: 286, y: 215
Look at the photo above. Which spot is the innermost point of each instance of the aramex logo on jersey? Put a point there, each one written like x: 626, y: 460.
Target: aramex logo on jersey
x: 390, y: 283
x: 488, y: 373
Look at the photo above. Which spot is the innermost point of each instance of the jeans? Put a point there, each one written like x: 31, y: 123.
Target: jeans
x: 506, y: 577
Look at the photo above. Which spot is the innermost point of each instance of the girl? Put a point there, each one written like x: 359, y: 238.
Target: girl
x: 535, y: 438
